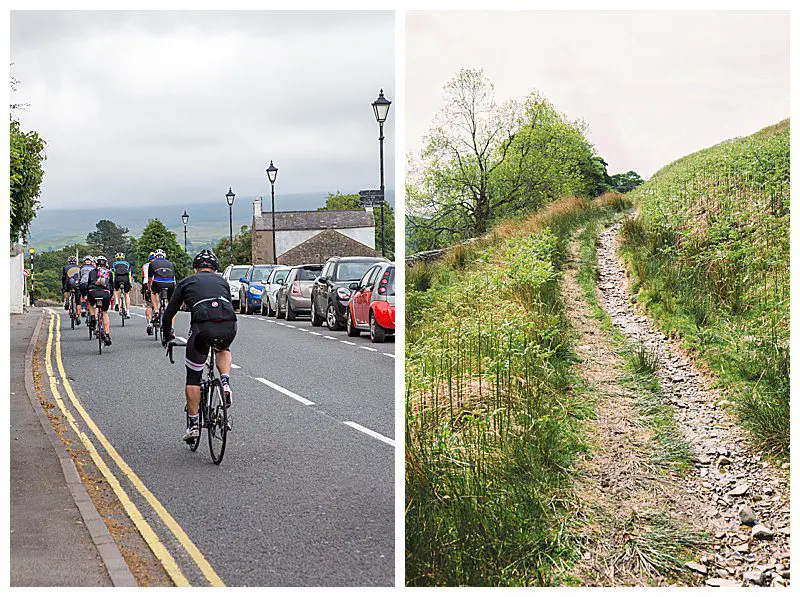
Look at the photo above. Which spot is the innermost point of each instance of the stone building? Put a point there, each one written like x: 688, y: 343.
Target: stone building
x: 312, y: 236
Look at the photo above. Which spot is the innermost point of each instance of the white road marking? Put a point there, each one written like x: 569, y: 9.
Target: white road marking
x: 235, y: 366
x: 282, y: 390
x: 347, y: 342
x: 301, y: 330
x: 289, y: 325
x: 315, y: 333
x: 370, y: 432
x: 369, y: 348
x: 280, y: 323
x: 329, y: 337
x: 389, y: 354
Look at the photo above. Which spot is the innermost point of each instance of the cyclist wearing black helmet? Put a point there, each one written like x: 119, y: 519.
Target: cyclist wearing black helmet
x: 70, y: 275
x: 100, y: 288
x: 208, y: 297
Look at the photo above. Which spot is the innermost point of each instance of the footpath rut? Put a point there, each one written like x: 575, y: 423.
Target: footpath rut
x: 739, y: 498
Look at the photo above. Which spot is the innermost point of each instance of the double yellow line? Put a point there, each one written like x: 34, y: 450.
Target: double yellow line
x: 161, y: 552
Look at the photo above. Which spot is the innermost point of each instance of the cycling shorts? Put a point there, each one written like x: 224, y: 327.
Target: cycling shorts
x: 100, y: 293
x: 84, y: 290
x: 124, y: 282
x: 69, y: 285
x: 198, y: 343
x: 156, y: 287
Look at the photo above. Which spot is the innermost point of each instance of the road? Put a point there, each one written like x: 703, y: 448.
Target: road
x: 305, y: 494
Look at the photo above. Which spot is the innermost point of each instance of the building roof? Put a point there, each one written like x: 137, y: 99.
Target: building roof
x: 314, y: 220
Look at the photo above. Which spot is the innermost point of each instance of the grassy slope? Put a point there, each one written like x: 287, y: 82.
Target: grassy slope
x: 710, y: 257
x: 493, y: 418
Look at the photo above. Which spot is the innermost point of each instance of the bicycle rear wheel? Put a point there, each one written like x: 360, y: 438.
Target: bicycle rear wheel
x: 193, y: 444
x: 122, y: 309
x: 217, y: 422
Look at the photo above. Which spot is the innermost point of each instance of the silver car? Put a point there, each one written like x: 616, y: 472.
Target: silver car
x: 232, y: 274
x: 294, y: 296
x: 269, y: 302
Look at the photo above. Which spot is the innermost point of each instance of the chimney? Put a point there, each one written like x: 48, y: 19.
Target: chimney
x: 257, y: 207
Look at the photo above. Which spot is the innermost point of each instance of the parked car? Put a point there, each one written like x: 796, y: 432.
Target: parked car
x: 252, y: 288
x: 371, y: 305
x: 232, y: 274
x: 331, y: 291
x: 269, y: 302
x: 294, y: 296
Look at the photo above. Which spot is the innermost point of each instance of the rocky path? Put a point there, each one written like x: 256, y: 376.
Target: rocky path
x: 735, y: 495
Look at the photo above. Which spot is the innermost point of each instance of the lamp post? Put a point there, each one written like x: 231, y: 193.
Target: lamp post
x: 272, y: 175
x: 31, y: 251
x: 381, y: 108
x: 185, y: 218
x: 229, y: 197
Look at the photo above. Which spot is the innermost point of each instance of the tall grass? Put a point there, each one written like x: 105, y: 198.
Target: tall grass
x: 492, y: 422
x: 710, y: 254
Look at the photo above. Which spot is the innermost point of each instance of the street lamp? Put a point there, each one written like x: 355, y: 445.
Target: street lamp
x: 229, y: 197
x: 272, y: 175
x: 185, y: 218
x: 31, y: 251
x: 381, y: 108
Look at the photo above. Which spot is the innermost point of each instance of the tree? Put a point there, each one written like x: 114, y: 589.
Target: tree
x: 156, y: 236
x: 27, y: 155
x: 110, y: 239
x: 622, y: 183
x: 339, y: 200
x: 242, y: 247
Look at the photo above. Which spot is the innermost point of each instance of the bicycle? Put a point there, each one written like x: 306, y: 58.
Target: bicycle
x: 159, y: 316
x: 73, y: 312
x: 123, y: 306
x: 100, y: 331
x: 213, y: 410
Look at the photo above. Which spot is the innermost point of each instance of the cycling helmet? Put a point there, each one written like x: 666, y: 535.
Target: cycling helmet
x: 151, y: 256
x: 101, y: 260
x: 72, y: 260
x: 160, y: 254
x: 88, y: 258
x: 205, y: 258
x: 119, y: 256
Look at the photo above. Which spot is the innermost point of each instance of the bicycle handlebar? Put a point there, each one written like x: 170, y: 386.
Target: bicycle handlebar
x: 172, y: 344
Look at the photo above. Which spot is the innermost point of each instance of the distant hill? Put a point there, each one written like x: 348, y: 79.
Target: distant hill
x: 208, y: 222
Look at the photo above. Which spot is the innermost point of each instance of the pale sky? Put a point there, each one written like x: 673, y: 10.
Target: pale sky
x: 174, y: 107
x: 652, y: 86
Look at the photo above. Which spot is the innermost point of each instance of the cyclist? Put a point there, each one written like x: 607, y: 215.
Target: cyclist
x: 100, y: 288
x: 148, y: 310
x: 69, y: 280
x: 161, y: 274
x: 83, y: 282
x: 208, y: 297
x: 122, y: 279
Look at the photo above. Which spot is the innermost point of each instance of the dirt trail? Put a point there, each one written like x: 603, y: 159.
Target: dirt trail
x: 727, y: 475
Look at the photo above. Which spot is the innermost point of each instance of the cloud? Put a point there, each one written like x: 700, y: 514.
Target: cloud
x: 145, y: 106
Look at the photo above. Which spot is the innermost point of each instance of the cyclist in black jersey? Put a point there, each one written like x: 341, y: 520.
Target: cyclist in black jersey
x: 83, y: 281
x: 100, y: 288
x: 70, y: 275
x: 208, y: 297
x: 161, y: 274
x: 122, y: 279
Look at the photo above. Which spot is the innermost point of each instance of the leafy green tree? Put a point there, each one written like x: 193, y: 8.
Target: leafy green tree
x: 110, y: 239
x: 339, y: 200
x: 27, y: 156
x: 242, y: 248
x: 622, y: 183
x: 157, y: 236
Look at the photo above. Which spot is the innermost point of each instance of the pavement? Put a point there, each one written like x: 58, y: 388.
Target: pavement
x: 44, y: 515
x: 305, y: 494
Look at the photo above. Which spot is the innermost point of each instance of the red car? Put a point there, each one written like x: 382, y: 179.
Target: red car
x: 371, y: 305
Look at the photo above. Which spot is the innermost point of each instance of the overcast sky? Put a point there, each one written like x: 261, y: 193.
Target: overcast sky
x: 175, y: 107
x: 652, y: 86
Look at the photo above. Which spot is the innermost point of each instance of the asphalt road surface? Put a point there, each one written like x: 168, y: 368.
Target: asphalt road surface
x: 305, y: 494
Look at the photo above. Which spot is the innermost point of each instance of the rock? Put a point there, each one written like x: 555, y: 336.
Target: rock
x: 741, y: 548
x: 739, y: 490
x: 747, y: 516
x: 724, y: 460
x: 768, y: 490
x: 762, y: 532
x: 785, y: 573
x: 755, y: 577
x: 695, y: 567
x: 722, y: 582
x: 723, y: 403
x: 784, y: 531
x: 778, y: 582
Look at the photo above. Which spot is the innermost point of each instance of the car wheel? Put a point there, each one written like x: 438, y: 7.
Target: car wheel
x: 242, y: 304
x: 352, y: 330
x: 330, y: 319
x: 291, y: 315
x: 280, y: 314
x: 316, y: 320
x: 270, y: 310
x: 376, y: 333
x: 262, y: 311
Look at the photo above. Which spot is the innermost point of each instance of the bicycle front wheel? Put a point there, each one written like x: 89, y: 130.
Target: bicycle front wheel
x: 217, y: 421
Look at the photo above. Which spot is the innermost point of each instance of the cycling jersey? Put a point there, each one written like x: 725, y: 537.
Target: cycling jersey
x: 121, y: 269
x: 100, y: 286
x: 85, y: 270
x: 70, y: 274
x: 145, y: 272
x: 208, y: 297
x: 161, y: 270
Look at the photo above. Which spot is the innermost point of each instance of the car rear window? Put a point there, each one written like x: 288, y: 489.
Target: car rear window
x: 237, y: 272
x: 352, y: 270
x: 309, y: 273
